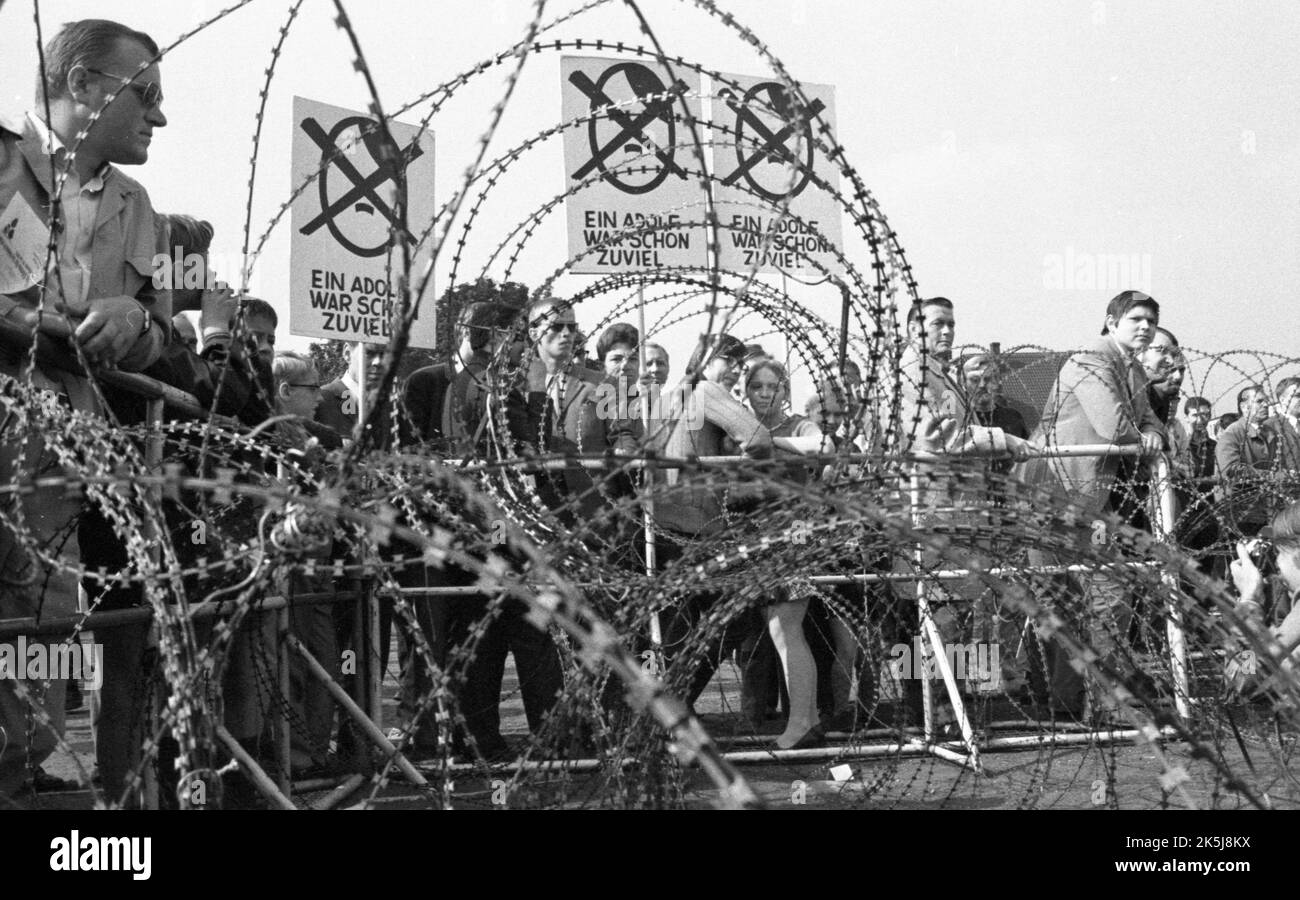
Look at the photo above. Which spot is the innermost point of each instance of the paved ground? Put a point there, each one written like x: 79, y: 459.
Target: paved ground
x: 1087, y: 776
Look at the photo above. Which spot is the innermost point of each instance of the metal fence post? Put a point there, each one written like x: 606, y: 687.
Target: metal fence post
x: 153, y: 456
x: 1164, y: 505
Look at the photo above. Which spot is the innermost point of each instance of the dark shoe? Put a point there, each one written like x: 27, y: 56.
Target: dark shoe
x: 45, y: 783
x: 492, y: 750
x: 238, y: 792
x: 813, y: 737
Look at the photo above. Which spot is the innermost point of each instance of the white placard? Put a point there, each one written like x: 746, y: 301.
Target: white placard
x: 343, y: 264
x: 759, y: 158
x: 637, y: 164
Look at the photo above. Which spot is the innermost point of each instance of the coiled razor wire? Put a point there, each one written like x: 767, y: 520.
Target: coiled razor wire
x: 848, y: 538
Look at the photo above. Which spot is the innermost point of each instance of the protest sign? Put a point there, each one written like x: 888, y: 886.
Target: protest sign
x: 344, y: 259
x: 631, y: 218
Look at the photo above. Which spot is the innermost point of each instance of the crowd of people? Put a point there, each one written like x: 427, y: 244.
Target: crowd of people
x: 101, y: 306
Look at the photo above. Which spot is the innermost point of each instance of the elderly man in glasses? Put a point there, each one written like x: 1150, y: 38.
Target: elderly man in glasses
x: 101, y: 80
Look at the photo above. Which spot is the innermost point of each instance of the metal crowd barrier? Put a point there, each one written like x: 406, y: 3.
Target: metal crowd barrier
x: 161, y: 397
x: 1164, y: 506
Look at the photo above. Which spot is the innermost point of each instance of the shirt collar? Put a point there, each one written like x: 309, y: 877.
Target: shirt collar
x: 55, y: 148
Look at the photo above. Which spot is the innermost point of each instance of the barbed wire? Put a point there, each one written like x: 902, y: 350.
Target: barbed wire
x: 876, y: 547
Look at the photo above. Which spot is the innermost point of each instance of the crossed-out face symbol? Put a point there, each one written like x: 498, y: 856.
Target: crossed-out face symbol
x: 765, y: 157
x: 640, y: 144
x: 359, y: 219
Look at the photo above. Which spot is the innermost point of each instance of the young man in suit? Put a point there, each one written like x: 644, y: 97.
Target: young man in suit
x: 1100, y: 397
x: 342, y: 398
x: 554, y: 392
x: 544, y: 416
x: 446, y: 403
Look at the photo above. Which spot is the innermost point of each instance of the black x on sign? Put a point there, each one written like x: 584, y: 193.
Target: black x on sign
x: 359, y: 219
x: 633, y: 150
x: 772, y: 147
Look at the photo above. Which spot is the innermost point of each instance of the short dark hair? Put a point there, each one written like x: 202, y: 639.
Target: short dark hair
x: 88, y: 43
x: 618, y: 333
x: 1125, y: 301
x: 188, y: 234
x: 1247, y: 390
x: 915, y: 310
x: 715, y: 345
x: 255, y: 306
x: 1196, y: 403
x: 478, y: 318
x: 508, y: 299
x: 1227, y: 419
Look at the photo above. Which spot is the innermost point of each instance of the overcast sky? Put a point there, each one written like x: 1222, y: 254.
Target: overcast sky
x: 1010, y: 144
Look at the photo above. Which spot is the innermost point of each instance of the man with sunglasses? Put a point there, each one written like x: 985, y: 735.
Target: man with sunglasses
x: 550, y: 420
x: 101, y: 276
x: 96, y: 107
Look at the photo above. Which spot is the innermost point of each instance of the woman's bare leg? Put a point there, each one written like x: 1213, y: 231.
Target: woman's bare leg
x: 785, y: 622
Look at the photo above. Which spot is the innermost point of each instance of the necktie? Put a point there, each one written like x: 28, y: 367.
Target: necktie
x: 549, y: 415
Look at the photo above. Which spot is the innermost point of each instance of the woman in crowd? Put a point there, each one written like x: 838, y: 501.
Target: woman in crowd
x: 616, y: 349
x: 700, y: 418
x: 767, y: 393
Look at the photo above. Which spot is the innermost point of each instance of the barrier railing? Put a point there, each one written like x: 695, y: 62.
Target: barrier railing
x: 1162, y: 498
x: 161, y: 397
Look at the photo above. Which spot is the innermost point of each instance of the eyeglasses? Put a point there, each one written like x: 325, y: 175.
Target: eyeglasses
x: 313, y: 386
x: 149, y: 92
x: 557, y: 327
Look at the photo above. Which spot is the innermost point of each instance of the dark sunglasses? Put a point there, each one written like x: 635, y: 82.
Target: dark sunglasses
x: 149, y: 92
x: 557, y: 327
